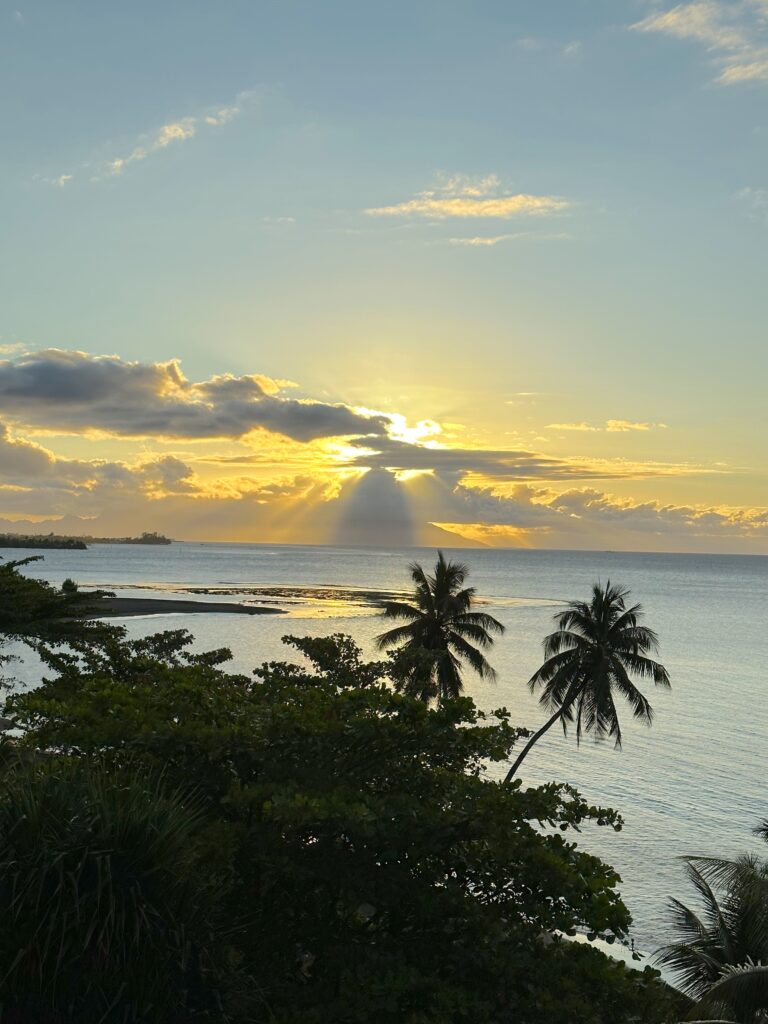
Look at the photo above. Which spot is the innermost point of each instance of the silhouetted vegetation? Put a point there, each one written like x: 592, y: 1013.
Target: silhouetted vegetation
x: 720, y: 957
x: 52, y: 541
x: 48, y: 541
x: 305, y: 845
x: 441, y: 632
x: 36, y: 613
x: 591, y: 657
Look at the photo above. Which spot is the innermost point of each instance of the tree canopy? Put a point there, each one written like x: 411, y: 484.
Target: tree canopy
x: 367, y: 867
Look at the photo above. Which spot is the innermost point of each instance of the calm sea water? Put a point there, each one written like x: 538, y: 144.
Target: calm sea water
x: 693, y: 784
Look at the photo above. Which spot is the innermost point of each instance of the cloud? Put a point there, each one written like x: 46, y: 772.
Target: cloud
x: 586, y: 517
x: 382, y: 480
x: 757, y: 200
x: 376, y: 507
x: 59, y: 182
x: 467, y: 186
x: 734, y: 33
x: 171, y: 134
x: 524, y: 396
x: 611, y: 426
x: 73, y: 392
x: 168, y: 134
x: 500, y: 464
x: 33, y: 478
x: 480, y: 240
x: 622, y: 426
x: 464, y: 197
x: 166, y: 494
x: 21, y: 460
x: 583, y: 427
x: 484, y: 241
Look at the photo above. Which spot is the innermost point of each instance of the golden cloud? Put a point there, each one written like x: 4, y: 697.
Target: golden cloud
x: 501, y: 207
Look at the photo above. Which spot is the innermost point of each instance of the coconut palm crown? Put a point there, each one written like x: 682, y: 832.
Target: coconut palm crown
x: 721, y: 953
x: 439, y: 632
x: 590, y: 658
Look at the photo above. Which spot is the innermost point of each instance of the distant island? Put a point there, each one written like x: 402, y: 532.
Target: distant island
x: 52, y: 541
x: 145, y: 538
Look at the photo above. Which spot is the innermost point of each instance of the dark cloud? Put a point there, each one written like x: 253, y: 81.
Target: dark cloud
x: 77, y: 393
x: 501, y: 464
x: 387, y: 453
x: 22, y: 460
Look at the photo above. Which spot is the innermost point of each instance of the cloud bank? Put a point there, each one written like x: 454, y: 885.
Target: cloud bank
x: 73, y: 392
x: 297, y: 470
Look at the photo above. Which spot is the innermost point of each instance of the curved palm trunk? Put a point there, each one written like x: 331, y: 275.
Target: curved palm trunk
x: 536, y: 736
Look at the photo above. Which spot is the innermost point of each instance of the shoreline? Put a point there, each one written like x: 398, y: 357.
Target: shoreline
x: 125, y: 607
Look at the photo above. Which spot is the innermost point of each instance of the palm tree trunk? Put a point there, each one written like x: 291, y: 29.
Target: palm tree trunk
x: 536, y: 736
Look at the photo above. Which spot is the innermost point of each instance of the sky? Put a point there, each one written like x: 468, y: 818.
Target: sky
x: 456, y: 273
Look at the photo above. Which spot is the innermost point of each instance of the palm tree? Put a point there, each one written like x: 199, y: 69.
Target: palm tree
x: 104, y: 914
x: 440, y: 632
x: 721, y: 957
x: 590, y: 658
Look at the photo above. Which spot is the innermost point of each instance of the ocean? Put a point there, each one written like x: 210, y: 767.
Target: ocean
x: 694, y: 783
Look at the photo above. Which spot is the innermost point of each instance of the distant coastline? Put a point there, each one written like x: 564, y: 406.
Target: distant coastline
x: 53, y: 541
x: 20, y: 540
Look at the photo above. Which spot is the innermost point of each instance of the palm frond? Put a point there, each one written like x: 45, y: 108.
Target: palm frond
x: 641, y: 706
x: 717, y: 924
x: 480, y: 619
x: 692, y: 967
x: 743, y: 989
x: 402, y: 610
x: 471, y: 654
x: 551, y: 667
x: 564, y: 640
x: 394, y: 637
x: 646, y: 668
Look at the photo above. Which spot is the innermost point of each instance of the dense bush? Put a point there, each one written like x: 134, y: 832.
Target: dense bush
x: 103, y: 913
x: 366, y: 868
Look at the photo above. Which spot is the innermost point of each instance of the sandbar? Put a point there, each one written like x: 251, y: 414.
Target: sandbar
x: 121, y: 607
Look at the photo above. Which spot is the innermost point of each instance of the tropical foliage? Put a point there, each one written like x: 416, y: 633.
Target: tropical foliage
x: 590, y: 659
x: 341, y: 855
x: 103, y: 914
x: 721, y: 953
x: 308, y: 845
x: 440, y: 632
x: 33, y: 611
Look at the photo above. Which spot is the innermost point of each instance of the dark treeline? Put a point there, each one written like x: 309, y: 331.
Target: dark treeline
x: 49, y: 541
x: 80, y: 543
x: 307, y: 844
